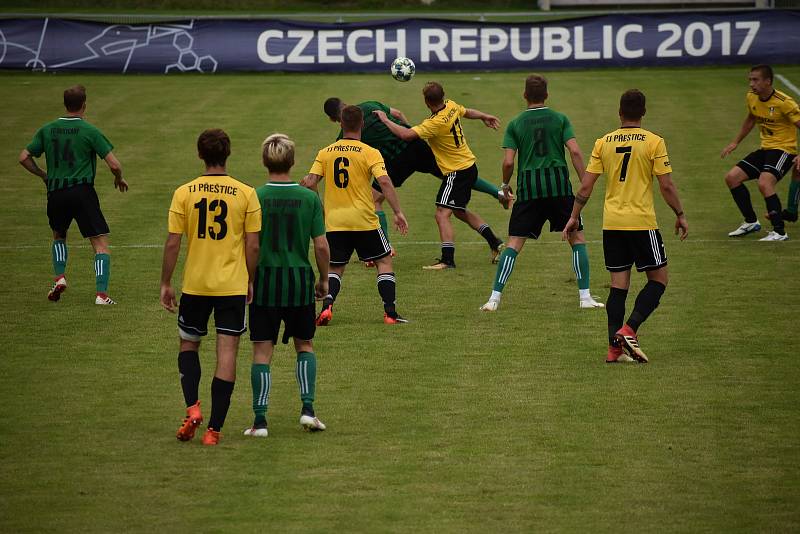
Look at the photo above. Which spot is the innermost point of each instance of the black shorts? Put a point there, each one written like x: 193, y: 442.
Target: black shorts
x: 265, y: 323
x: 369, y: 244
x: 80, y: 203
x: 528, y: 217
x: 776, y: 162
x: 456, y: 189
x: 417, y: 157
x: 229, y: 319
x: 623, y: 248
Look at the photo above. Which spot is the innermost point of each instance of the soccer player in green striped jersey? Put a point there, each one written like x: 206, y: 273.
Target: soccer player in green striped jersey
x: 71, y: 146
x: 537, y: 137
x: 284, y: 288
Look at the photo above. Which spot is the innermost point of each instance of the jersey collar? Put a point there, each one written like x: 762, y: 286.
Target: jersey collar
x: 534, y: 109
x: 770, y: 96
x: 70, y: 119
x: 283, y: 184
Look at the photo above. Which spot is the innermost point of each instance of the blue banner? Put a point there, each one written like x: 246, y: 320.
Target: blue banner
x: 225, y: 45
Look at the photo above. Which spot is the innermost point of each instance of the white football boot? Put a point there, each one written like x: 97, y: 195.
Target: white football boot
x: 745, y: 228
x: 311, y: 423
x: 774, y: 236
x: 491, y: 305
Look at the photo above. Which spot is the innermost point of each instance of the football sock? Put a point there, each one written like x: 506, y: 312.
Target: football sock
x: 306, y: 371
x: 448, y: 252
x: 615, y: 309
x: 580, y: 263
x: 504, y: 267
x: 483, y: 186
x: 384, y: 224
x: 774, y: 213
x: 221, y: 391
x: 189, y: 368
x: 387, y: 288
x: 794, y: 196
x: 742, y: 198
x: 646, y: 302
x: 489, y: 236
x: 102, y: 268
x: 261, y: 380
x: 334, y: 286
x: 59, y: 253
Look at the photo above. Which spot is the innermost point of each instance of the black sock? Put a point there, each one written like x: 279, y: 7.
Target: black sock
x: 615, y: 309
x: 386, y: 289
x: 489, y: 236
x: 189, y: 368
x: 774, y: 213
x: 334, y: 286
x: 448, y: 252
x: 308, y: 409
x: 221, y: 391
x: 646, y: 302
x: 742, y: 198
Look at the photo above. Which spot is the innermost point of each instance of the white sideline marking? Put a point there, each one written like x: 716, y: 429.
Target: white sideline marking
x: 788, y: 84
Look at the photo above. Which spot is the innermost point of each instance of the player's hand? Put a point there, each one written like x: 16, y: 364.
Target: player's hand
x: 681, y: 227
x: 168, y: 301
x: 380, y: 114
x: 121, y: 184
x: 249, y: 293
x: 571, y: 226
x: 728, y: 149
x: 321, y: 289
x: 797, y: 163
x: 491, y: 121
x: 401, y: 223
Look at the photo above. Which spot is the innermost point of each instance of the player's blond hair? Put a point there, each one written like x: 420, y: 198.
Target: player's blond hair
x: 277, y: 153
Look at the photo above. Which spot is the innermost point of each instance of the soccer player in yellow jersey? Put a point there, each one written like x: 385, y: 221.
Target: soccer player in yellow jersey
x: 778, y: 118
x: 221, y: 218
x: 347, y: 167
x: 630, y: 157
x: 443, y: 132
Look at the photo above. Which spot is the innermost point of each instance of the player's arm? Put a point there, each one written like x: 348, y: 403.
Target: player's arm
x: 406, y: 134
x: 27, y: 161
x: 397, y: 114
x: 171, y: 250
x: 322, y: 253
x: 251, y: 258
x: 581, y: 198
x: 747, y: 125
x: 509, y: 155
x: 489, y: 120
x: 670, y: 194
x: 576, y: 156
x: 311, y: 181
x: 390, y: 193
x: 116, y: 169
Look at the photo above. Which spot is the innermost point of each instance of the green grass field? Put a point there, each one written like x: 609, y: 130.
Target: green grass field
x: 460, y: 421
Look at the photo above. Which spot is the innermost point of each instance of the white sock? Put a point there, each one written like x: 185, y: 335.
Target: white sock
x: 584, y: 294
x: 496, y: 296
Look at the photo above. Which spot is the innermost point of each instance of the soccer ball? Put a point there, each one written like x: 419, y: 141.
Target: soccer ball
x: 402, y: 69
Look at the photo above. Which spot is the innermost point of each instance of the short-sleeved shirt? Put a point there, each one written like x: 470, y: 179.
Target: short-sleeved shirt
x: 347, y: 167
x: 215, y: 211
x: 539, y: 135
x: 776, y: 118
x: 629, y: 157
x: 443, y: 132
x: 290, y: 217
x: 376, y: 134
x: 71, y: 146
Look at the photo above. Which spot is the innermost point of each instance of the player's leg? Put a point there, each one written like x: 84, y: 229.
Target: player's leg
x: 102, y: 268
x: 93, y: 226
x: 193, y: 314
x: 341, y: 245
x: 747, y: 169
x: 482, y: 186
x: 387, y: 289
x: 479, y: 225
x: 505, y: 266
x: 619, y: 258
x: 447, y: 237
x: 580, y: 264
x: 264, y: 326
x: 377, y: 199
x: 59, y: 216
x: 776, y: 164
x: 790, y: 213
x: 306, y: 373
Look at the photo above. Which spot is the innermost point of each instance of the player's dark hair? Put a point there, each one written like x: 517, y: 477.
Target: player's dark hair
x: 277, y: 153
x: 74, y: 98
x: 764, y: 70
x: 535, y: 88
x: 632, y: 104
x: 352, y: 117
x: 433, y: 93
x: 333, y: 108
x: 214, y: 147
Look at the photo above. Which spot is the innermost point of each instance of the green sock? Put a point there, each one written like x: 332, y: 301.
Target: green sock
x: 261, y: 380
x: 580, y: 264
x: 59, y: 253
x: 794, y: 196
x: 504, y: 267
x: 384, y: 224
x: 306, y: 376
x: 485, y: 187
x: 102, y: 268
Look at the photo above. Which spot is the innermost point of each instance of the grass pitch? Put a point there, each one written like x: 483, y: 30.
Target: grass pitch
x: 460, y: 421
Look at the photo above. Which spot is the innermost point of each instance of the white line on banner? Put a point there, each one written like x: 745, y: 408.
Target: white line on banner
x: 788, y: 84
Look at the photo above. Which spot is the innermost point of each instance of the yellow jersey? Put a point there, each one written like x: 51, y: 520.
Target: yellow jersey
x: 442, y: 130
x: 347, y: 168
x: 776, y: 118
x: 629, y: 157
x: 215, y: 211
